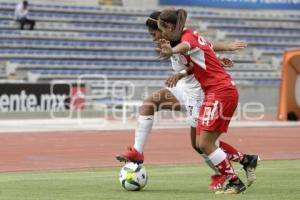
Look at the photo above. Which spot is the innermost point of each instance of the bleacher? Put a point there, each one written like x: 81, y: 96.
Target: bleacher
x: 73, y: 40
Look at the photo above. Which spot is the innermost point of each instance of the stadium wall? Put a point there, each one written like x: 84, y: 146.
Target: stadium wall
x: 264, y: 95
x: 126, y: 3
x: 257, y: 96
x: 141, y: 3
x: 289, y: 100
x: 69, y: 2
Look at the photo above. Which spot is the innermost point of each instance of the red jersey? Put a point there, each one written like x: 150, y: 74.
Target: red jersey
x: 206, y: 67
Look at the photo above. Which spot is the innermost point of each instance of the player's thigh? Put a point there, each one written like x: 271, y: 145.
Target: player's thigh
x: 162, y: 99
x: 209, y: 136
x: 206, y: 140
x: 216, y: 112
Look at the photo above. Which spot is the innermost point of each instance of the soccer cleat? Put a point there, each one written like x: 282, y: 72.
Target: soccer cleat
x: 250, y: 167
x: 217, y: 182
x: 234, y: 187
x: 131, y: 155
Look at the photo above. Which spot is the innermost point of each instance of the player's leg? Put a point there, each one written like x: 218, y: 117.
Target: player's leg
x: 217, y: 179
x: 204, y: 156
x: 232, y: 153
x: 249, y: 162
x: 214, y: 118
x: 159, y: 100
x: 206, y: 142
x: 192, y: 106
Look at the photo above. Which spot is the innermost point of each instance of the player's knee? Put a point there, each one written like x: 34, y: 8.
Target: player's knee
x: 197, y: 149
x: 148, y: 107
x: 194, y: 145
x: 201, y: 146
x: 152, y: 102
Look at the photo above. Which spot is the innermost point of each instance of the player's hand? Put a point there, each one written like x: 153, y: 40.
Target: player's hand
x: 163, y: 41
x: 165, y: 49
x: 237, y: 45
x: 226, y: 62
x: 172, y: 80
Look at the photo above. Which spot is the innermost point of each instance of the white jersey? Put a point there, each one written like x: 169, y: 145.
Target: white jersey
x: 187, y: 91
x: 190, y: 86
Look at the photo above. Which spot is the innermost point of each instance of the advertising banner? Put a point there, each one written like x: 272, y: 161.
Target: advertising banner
x: 34, y: 97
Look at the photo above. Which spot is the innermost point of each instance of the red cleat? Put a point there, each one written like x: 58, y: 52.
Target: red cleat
x: 217, y: 182
x: 131, y: 155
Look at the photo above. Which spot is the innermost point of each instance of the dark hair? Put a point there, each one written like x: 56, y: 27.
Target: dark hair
x: 25, y: 3
x: 175, y: 17
x: 151, y: 22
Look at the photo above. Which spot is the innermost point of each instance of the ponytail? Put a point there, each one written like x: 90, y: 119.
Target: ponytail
x: 180, y: 24
x: 176, y: 18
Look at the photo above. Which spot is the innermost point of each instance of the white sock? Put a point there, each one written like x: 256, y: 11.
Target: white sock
x: 145, y: 124
x: 209, y: 163
x: 217, y: 156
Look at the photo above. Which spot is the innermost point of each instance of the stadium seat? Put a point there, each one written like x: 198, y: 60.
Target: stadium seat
x: 77, y: 40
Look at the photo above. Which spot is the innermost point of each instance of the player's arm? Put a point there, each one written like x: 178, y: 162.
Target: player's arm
x: 182, y: 48
x: 188, y: 41
x: 166, y: 51
x: 231, y: 46
x: 172, y: 80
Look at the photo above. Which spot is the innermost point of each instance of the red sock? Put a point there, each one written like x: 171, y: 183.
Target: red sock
x: 220, y: 160
x: 226, y: 169
x: 232, y: 153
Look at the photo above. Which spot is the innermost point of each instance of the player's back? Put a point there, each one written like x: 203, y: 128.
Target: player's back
x: 206, y: 66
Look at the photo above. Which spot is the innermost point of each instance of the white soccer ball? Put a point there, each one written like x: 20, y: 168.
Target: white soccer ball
x: 133, y: 177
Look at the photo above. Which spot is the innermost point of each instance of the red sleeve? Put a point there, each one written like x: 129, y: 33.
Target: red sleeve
x: 189, y: 38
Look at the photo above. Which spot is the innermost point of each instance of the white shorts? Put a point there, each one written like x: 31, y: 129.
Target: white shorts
x: 190, y: 105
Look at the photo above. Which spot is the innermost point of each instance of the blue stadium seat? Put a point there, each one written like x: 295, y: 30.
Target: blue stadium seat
x: 104, y: 72
x: 76, y: 40
x: 84, y: 63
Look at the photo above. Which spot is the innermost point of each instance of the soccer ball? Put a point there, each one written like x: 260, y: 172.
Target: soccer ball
x: 133, y: 177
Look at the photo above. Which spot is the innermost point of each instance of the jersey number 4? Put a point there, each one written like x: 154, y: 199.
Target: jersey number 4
x: 209, y: 113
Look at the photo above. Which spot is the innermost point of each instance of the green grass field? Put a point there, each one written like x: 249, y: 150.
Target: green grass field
x: 277, y: 180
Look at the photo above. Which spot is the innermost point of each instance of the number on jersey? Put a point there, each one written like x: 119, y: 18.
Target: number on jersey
x: 209, y: 113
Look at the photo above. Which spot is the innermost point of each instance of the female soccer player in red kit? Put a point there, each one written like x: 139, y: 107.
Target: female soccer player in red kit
x: 221, y: 95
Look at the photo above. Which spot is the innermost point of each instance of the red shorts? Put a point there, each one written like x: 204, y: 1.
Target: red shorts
x: 217, y: 110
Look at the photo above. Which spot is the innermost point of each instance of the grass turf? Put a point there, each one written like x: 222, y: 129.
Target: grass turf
x: 277, y: 180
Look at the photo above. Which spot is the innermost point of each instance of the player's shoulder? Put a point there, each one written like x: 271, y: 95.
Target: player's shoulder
x: 187, y: 31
